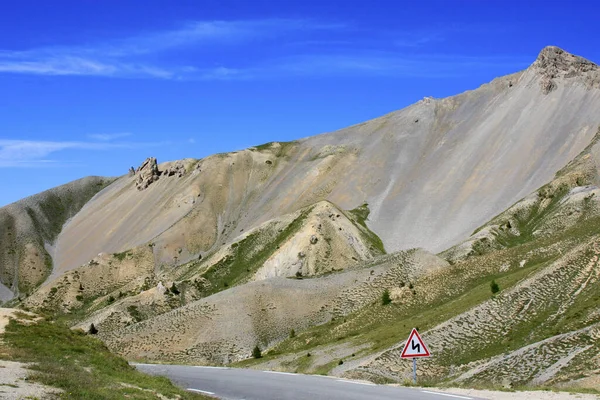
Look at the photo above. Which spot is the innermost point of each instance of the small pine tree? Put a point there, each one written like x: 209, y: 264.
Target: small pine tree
x: 385, y: 298
x: 494, y: 287
x: 174, y: 289
x: 292, y: 333
x: 92, y: 330
x: 256, y: 353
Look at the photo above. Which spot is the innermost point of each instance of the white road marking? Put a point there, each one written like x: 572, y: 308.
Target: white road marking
x: 356, y: 383
x: 280, y: 373
x: 199, y: 391
x: 202, y: 366
x: 447, y: 395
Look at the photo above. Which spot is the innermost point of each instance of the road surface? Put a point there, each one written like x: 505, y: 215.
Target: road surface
x: 247, y: 384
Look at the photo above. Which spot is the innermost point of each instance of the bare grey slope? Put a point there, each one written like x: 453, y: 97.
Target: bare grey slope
x: 431, y: 173
x: 29, y: 227
x: 437, y: 170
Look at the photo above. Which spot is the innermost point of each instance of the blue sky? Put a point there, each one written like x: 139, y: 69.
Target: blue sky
x: 94, y: 87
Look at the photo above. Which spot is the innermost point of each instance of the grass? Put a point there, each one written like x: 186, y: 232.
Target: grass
x: 247, y: 256
x: 360, y: 215
x: 122, y: 256
x: 285, y: 146
x: 80, y: 365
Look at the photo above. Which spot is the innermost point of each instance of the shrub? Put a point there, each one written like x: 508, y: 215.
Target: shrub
x: 494, y: 287
x: 92, y: 330
x: 292, y: 333
x: 340, y: 362
x: 174, y: 289
x: 385, y: 298
x: 256, y: 353
x: 110, y: 300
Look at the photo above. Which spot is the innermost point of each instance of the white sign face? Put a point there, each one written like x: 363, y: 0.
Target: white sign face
x: 415, y: 346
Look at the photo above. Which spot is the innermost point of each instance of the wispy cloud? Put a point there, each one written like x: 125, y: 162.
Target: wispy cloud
x: 125, y: 57
x: 207, y: 50
x: 369, y: 63
x: 33, y: 153
x: 105, y: 137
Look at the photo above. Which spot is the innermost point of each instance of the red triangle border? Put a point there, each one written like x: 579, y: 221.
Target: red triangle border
x: 413, y: 333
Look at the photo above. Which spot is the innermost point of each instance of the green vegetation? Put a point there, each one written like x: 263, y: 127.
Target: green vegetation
x: 80, y: 365
x: 135, y: 313
x: 283, y: 149
x: 93, y: 330
x: 174, y: 289
x: 360, y: 215
x: 256, y: 353
x: 249, y: 255
x: 469, y: 283
x: 122, y: 256
x: 385, y: 298
x: 494, y: 287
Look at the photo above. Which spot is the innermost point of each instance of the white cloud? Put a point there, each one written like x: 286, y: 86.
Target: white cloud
x: 32, y: 153
x: 106, y: 137
x: 124, y: 57
x: 341, y: 52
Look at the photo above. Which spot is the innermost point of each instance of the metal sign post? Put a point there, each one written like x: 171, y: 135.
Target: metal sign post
x: 415, y: 370
x: 415, y: 347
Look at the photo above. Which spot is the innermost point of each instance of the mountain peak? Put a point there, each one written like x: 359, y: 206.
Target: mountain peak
x: 553, y: 62
x: 556, y: 59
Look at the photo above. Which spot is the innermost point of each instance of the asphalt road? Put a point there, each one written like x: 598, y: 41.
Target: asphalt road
x: 247, y: 384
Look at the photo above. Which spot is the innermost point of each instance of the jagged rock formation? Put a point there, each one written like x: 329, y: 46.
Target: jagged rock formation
x: 176, y: 168
x: 553, y: 63
x: 146, y: 173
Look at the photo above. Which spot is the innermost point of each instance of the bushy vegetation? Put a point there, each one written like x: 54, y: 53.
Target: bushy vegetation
x: 256, y: 353
x: 80, y: 365
x: 360, y: 215
x: 494, y: 287
x: 385, y: 298
x: 249, y: 255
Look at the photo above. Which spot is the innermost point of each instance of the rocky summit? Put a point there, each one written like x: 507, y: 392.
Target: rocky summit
x: 475, y: 218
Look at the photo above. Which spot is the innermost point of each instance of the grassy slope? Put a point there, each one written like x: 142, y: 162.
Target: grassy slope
x: 248, y: 256
x: 80, y: 365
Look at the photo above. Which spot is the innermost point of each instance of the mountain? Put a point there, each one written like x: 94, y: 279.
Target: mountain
x: 290, y: 246
x: 29, y: 228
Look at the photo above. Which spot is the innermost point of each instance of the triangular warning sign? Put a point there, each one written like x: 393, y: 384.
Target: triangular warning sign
x: 415, y: 347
